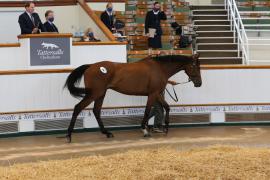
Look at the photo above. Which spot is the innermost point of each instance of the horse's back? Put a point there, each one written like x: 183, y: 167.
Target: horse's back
x: 136, y: 78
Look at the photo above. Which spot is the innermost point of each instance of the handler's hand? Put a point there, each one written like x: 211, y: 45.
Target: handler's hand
x: 35, y: 30
x: 173, y: 83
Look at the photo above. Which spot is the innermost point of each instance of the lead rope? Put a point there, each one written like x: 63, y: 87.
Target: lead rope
x: 175, y: 98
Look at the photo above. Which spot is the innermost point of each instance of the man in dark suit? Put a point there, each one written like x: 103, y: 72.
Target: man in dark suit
x: 152, y: 21
x: 107, y: 17
x: 29, y: 21
x: 49, y: 25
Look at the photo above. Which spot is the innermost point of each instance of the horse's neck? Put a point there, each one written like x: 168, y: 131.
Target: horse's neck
x: 171, y: 68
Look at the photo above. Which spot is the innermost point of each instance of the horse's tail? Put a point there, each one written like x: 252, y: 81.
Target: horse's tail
x: 74, y: 79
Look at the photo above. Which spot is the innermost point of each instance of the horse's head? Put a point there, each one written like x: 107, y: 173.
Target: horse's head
x: 193, y: 70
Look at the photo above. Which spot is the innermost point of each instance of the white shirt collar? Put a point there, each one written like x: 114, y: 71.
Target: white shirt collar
x: 109, y: 13
x: 29, y: 14
x: 155, y: 12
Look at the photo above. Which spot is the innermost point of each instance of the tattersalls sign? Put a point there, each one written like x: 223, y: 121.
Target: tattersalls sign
x: 49, y: 51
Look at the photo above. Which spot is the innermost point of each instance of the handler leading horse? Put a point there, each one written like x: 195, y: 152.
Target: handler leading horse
x: 147, y: 77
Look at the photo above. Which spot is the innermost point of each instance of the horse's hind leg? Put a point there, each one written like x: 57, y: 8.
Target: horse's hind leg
x: 97, y: 110
x: 77, y: 109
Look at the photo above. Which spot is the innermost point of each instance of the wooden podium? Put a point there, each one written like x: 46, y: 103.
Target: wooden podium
x: 46, y: 49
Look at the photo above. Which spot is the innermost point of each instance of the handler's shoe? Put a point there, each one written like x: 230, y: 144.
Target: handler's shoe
x: 157, y: 130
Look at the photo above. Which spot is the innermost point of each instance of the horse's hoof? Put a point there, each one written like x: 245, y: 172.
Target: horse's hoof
x: 147, y: 135
x: 68, y: 138
x: 109, y: 135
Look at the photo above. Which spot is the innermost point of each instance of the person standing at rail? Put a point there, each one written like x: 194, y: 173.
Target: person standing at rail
x: 107, y: 17
x: 152, y: 26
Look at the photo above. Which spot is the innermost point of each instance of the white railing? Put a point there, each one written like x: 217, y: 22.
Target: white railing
x: 252, y: 45
x: 239, y: 32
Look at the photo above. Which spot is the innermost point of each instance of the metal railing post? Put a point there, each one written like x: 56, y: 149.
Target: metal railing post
x: 238, y: 39
x: 248, y: 58
x: 238, y: 31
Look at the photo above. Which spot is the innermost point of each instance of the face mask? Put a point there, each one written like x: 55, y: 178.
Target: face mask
x: 51, y: 19
x: 109, y: 9
x: 91, y: 34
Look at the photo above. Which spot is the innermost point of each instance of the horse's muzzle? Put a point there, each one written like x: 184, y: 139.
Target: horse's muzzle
x: 197, y: 83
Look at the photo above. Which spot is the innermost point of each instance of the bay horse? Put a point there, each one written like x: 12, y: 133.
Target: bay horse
x: 147, y: 77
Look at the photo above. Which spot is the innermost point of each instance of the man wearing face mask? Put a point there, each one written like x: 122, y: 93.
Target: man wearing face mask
x: 152, y: 26
x: 107, y: 17
x: 49, y: 25
x: 89, y: 35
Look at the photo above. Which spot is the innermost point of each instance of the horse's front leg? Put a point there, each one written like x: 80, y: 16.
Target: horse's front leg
x: 144, y: 125
x: 167, y: 109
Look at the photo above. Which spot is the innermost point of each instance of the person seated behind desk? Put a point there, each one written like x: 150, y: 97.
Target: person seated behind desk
x: 49, y: 25
x: 29, y: 21
x: 89, y: 36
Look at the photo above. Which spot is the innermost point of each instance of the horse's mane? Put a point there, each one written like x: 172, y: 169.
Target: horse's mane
x: 171, y: 58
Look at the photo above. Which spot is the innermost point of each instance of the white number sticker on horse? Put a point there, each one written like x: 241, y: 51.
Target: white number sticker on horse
x: 103, y: 70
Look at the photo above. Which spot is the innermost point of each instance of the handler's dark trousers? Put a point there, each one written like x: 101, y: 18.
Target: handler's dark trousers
x: 157, y: 111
